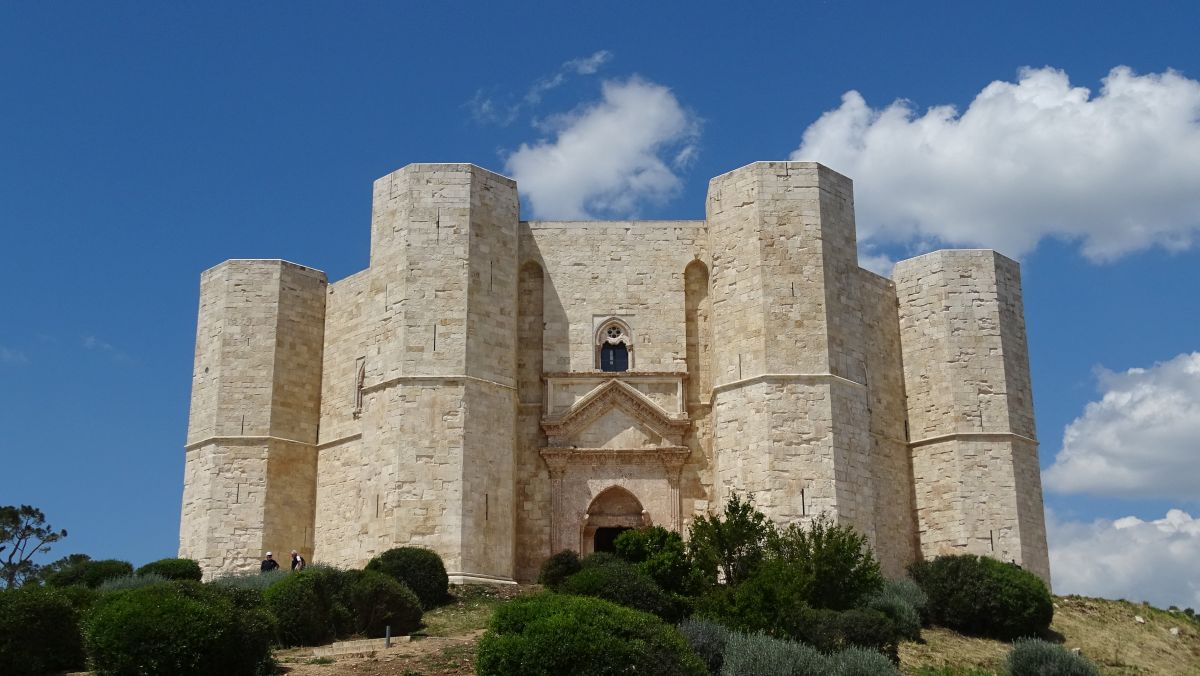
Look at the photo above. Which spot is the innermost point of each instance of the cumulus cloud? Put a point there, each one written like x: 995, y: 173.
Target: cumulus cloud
x: 1128, y: 558
x: 11, y: 356
x: 1037, y: 158
x: 609, y: 157
x: 1141, y: 439
x: 486, y: 109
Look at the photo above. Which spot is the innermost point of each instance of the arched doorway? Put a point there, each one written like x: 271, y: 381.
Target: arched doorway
x: 611, y: 512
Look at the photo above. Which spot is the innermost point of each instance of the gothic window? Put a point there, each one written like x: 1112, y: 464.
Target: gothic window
x: 614, y: 346
x: 614, y: 358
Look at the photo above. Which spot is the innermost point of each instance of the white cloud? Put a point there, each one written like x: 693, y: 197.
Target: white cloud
x: 1141, y: 439
x: 1027, y: 160
x: 11, y: 356
x: 485, y: 109
x: 1128, y: 558
x: 608, y: 157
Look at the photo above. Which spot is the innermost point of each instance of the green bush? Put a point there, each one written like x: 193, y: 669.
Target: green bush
x: 81, y: 598
x: 837, y: 559
x: 173, y: 569
x: 128, y: 582
x: 1035, y: 657
x: 894, y: 600
x: 861, y: 662
x: 379, y: 601
x: 312, y: 606
x: 707, y: 640
x: 89, y: 573
x: 980, y: 595
x: 728, y: 547
x: 613, y: 579
x: 558, y: 568
x: 421, y: 570
x: 176, y: 628
x: 761, y: 655
x: 660, y: 554
x: 39, y: 632
x: 549, y: 634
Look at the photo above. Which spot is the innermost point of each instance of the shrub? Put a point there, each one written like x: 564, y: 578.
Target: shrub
x: 910, y: 592
x: 896, y: 604
x: 980, y: 595
x: 81, y: 598
x: 729, y: 547
x: 312, y: 606
x: 379, y: 602
x: 707, y: 640
x: 173, y: 569
x: 861, y: 662
x: 39, y: 632
x: 176, y: 628
x: 130, y: 582
x: 89, y: 573
x: 1034, y: 657
x: 661, y: 555
x: 761, y: 655
x: 612, y: 579
x: 421, y: 570
x: 549, y: 634
x: 758, y: 604
x: 836, y: 558
x: 255, y: 580
x: 558, y: 568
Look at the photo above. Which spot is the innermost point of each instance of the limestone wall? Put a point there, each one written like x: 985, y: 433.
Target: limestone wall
x: 969, y: 406
x: 790, y: 413
x: 250, y: 470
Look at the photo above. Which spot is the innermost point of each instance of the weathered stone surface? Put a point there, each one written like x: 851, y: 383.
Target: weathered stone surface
x: 450, y: 396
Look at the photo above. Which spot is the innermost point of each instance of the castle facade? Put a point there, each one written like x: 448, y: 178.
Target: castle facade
x: 498, y: 390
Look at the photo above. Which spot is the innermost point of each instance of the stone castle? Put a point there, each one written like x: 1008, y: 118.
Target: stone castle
x: 498, y: 390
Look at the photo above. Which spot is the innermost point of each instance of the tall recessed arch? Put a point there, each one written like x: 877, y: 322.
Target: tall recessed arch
x: 697, y: 313
x: 530, y: 330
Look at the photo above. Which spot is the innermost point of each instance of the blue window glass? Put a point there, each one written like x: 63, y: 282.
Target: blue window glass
x: 614, y: 357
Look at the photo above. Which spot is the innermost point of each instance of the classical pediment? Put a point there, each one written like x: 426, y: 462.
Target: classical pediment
x: 615, y: 415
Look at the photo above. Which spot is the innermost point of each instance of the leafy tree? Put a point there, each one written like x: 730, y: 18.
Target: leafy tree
x: 23, y: 534
x: 732, y: 544
x: 837, y: 559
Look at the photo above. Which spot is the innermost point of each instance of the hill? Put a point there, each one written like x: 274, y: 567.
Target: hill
x: 1107, y: 632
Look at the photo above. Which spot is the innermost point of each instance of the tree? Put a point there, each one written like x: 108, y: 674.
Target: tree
x: 23, y: 534
x: 732, y: 546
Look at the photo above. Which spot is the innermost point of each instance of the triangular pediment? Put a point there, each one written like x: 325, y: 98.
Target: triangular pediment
x: 615, y: 413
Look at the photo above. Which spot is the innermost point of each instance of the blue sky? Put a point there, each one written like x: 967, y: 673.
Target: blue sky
x: 143, y: 143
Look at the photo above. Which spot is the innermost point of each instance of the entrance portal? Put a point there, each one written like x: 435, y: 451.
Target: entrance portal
x: 606, y: 538
x: 612, y: 511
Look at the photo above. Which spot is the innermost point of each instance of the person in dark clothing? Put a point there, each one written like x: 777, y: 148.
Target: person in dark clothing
x: 297, y: 562
x: 269, y: 564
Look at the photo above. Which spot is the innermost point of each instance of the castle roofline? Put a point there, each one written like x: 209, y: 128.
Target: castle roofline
x: 938, y: 252
x: 263, y: 260
x: 795, y: 163
x: 452, y: 167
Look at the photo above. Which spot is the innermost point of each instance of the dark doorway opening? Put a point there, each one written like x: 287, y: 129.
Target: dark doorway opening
x: 606, y: 538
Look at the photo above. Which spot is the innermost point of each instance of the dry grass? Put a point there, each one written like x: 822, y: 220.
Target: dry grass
x: 1104, y: 631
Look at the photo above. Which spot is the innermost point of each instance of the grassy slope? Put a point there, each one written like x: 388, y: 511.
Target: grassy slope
x: 1105, y: 631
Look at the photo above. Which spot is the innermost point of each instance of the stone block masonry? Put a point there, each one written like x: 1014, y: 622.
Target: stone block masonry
x: 454, y: 395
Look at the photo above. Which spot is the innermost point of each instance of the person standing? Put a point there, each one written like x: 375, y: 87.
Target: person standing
x: 269, y: 564
x: 297, y: 562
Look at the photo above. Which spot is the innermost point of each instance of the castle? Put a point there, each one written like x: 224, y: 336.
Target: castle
x: 498, y: 389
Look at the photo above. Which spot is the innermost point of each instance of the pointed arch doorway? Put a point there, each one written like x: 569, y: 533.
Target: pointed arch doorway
x: 613, y: 511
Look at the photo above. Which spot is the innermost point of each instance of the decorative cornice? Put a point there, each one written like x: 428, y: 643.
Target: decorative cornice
x: 973, y: 436
x: 671, y: 457
x: 334, y: 442
x: 614, y: 394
